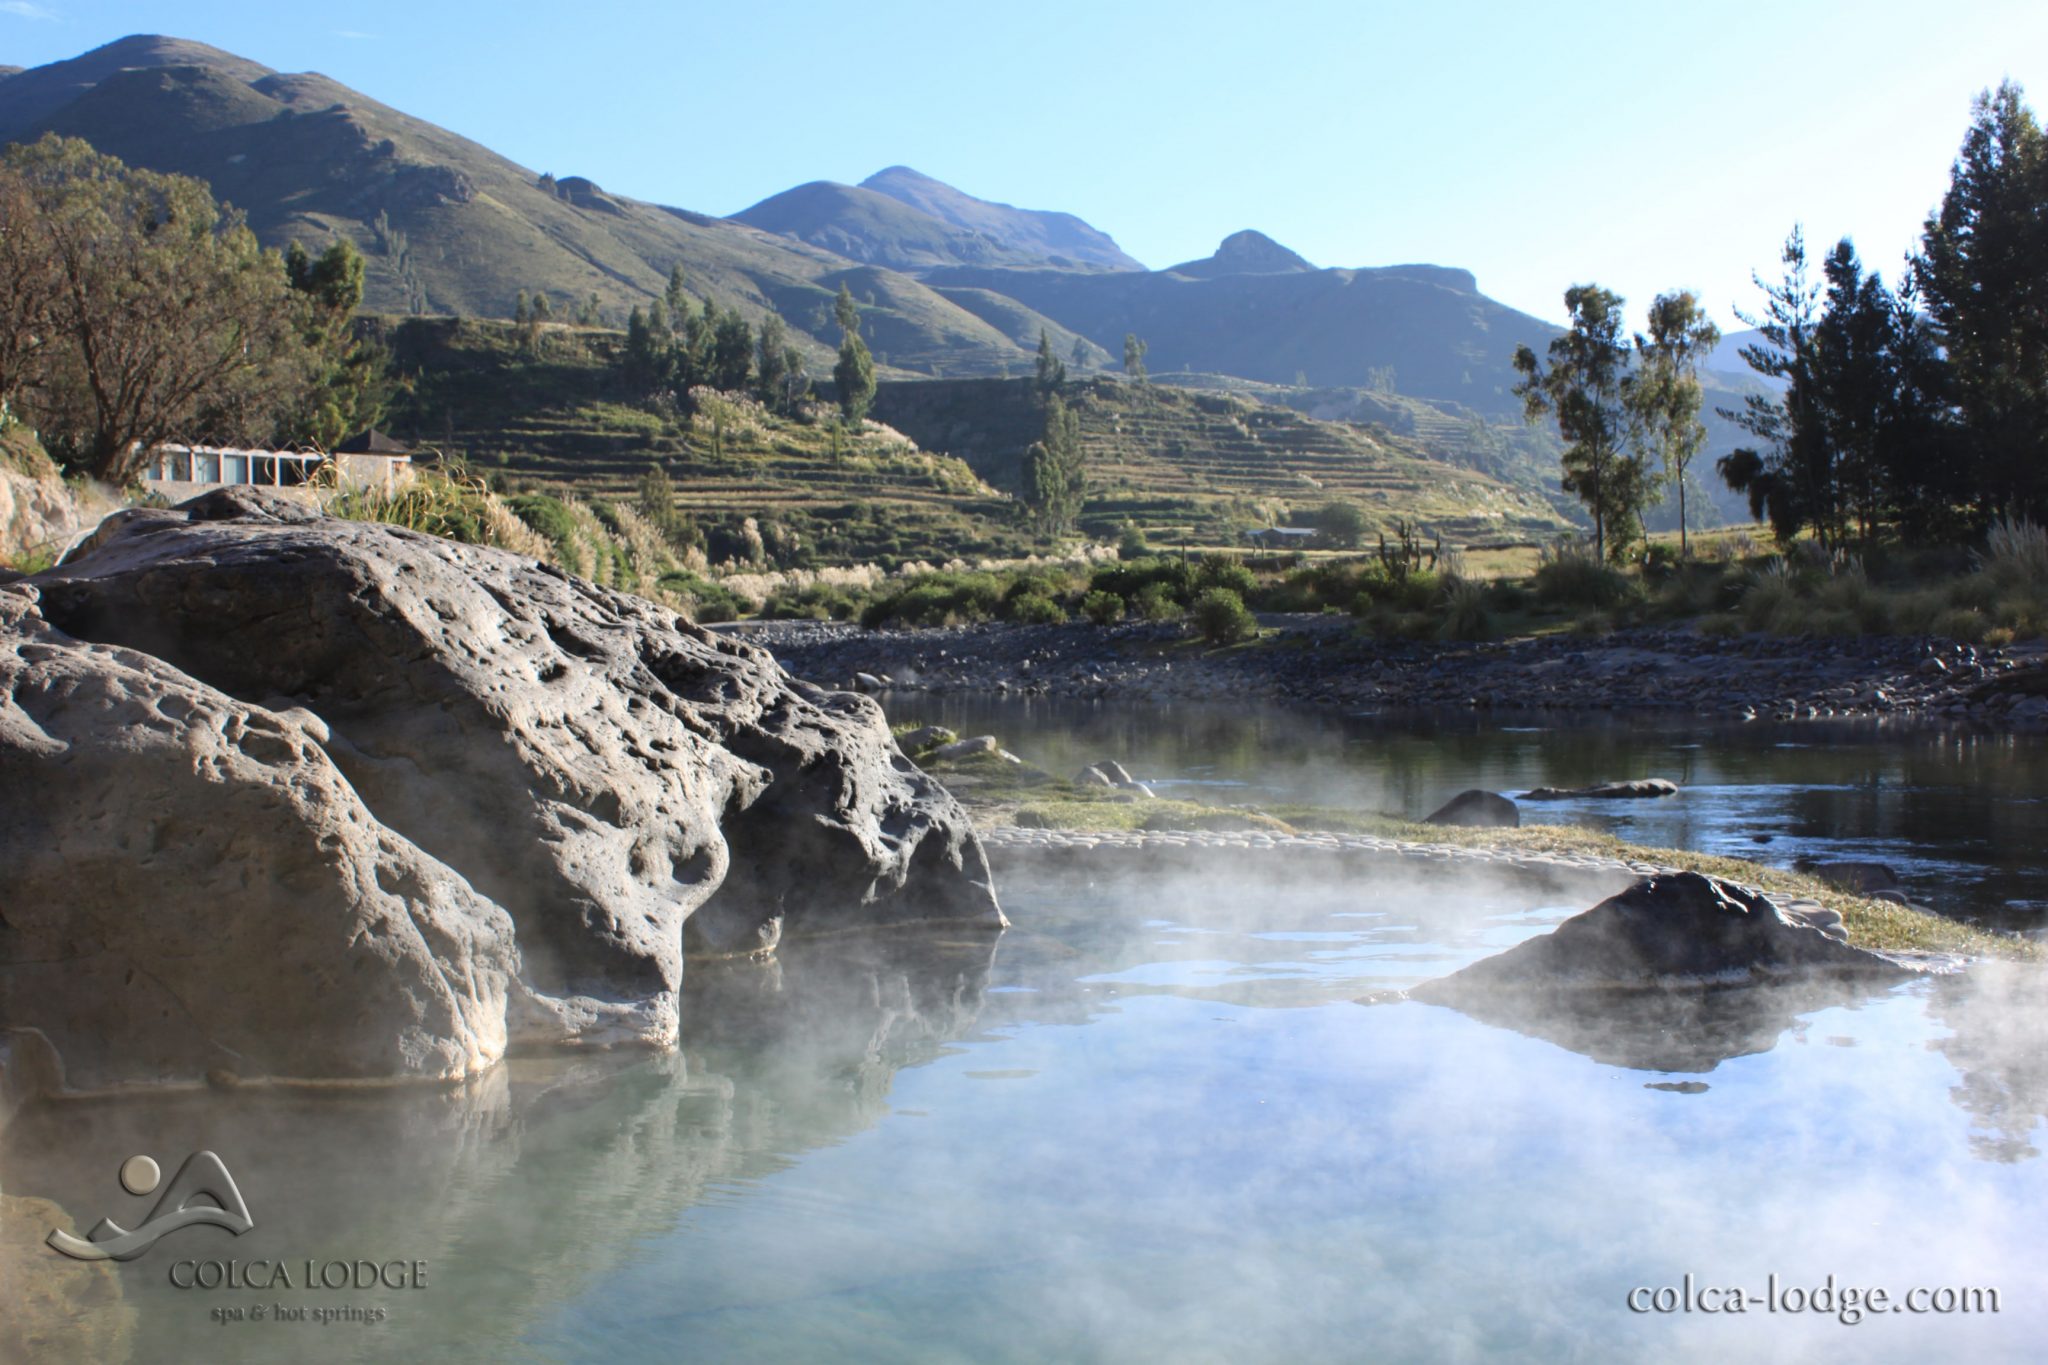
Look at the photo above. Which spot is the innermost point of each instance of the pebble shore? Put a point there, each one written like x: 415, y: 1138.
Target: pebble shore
x: 1324, y: 661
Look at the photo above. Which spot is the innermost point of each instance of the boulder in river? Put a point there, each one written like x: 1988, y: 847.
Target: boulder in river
x: 1670, y: 931
x: 397, y: 800
x: 1607, y: 791
x: 1478, y: 809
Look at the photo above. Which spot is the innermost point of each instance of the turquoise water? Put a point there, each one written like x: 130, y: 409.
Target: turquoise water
x: 1151, y: 1122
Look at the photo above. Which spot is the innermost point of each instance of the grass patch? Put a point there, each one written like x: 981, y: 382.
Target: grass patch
x: 1034, y: 800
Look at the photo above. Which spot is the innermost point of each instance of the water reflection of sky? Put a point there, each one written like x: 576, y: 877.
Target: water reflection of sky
x: 1166, y: 1174
x: 1959, y: 815
x: 1150, y: 1122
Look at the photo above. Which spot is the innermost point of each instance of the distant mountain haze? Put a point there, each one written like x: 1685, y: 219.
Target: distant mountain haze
x: 1056, y: 238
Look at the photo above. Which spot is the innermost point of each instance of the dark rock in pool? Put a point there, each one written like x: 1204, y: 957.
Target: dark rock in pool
x: 1478, y: 809
x: 1607, y: 791
x: 1681, y: 930
x: 340, y: 800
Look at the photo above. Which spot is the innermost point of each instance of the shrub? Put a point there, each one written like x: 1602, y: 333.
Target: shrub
x: 1225, y: 571
x: 817, y: 602
x: 1222, y: 617
x: 1157, y: 602
x: 1465, y: 612
x: 704, y: 600
x: 2015, y: 553
x: 1103, y: 608
x: 1129, y: 579
x: 1130, y: 543
x: 1033, y: 610
x: 1570, y: 575
x: 1965, y: 624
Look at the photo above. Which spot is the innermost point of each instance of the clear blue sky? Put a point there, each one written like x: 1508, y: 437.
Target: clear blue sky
x: 1644, y: 146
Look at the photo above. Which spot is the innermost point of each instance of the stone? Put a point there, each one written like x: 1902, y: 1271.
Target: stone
x: 1664, y: 932
x: 194, y: 885
x: 1118, y: 775
x: 868, y: 682
x: 1641, y: 788
x: 1478, y: 809
x: 38, y: 517
x: 926, y: 736
x: 1092, y: 776
x: 968, y: 748
x: 617, y: 781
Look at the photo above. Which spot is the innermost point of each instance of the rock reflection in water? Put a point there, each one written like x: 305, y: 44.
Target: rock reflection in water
x: 1675, y: 1030
x: 520, y: 1189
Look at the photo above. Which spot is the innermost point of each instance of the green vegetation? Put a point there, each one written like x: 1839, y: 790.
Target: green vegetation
x: 1583, y: 388
x: 139, y: 312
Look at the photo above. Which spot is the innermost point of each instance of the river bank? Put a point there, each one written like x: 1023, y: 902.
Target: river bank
x: 1325, y: 661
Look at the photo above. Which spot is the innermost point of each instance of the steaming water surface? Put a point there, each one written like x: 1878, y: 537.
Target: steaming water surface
x: 1960, y: 815
x: 1149, y: 1123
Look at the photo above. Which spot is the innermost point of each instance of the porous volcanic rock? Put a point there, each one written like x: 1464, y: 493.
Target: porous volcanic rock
x: 590, y: 762
x: 191, y: 886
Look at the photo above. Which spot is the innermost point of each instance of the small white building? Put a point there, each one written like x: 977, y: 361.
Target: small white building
x: 369, y: 460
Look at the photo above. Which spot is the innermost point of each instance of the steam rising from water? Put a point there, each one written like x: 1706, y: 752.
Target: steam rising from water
x: 1147, y: 1123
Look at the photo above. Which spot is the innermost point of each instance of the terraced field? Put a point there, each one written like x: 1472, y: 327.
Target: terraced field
x: 1187, y: 467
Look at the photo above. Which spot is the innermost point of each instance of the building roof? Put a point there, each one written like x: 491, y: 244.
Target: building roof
x: 372, y: 442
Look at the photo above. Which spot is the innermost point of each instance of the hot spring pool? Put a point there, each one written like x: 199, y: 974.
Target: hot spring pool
x: 1148, y: 1123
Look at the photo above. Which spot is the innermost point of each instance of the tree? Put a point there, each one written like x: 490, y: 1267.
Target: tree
x: 1341, y: 523
x: 1051, y: 371
x: 1582, y: 390
x: 522, y: 313
x: 645, y: 362
x: 164, y: 318
x: 675, y: 297
x: 1078, y: 357
x: 1983, y: 277
x: 854, y: 375
x: 1789, y: 476
x: 1664, y: 393
x: 771, y: 362
x: 542, y: 309
x: 1134, y: 356
x: 1052, y: 476
x: 350, y: 374
x: 732, y: 353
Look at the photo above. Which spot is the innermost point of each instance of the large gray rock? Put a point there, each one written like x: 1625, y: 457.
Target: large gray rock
x: 1477, y: 809
x: 188, y: 885
x: 38, y: 517
x: 1607, y: 791
x: 1674, y: 931
x: 598, y: 767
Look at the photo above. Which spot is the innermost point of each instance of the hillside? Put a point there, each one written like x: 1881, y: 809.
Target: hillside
x: 447, y: 225
x: 1200, y: 467
x: 1204, y: 466
x: 1426, y: 330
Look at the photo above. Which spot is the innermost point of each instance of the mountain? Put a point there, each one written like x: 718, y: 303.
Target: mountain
x: 864, y: 225
x: 1244, y: 253
x: 1257, y: 311
x: 449, y: 226
x: 1058, y: 239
